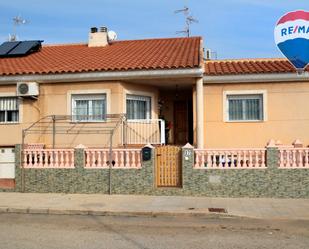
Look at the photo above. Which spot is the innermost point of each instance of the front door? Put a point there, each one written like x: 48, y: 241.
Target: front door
x: 168, y: 166
x: 181, y: 122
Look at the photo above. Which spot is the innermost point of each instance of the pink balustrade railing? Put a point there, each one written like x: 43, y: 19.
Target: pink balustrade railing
x: 230, y: 158
x: 121, y: 158
x: 296, y: 158
x: 48, y: 158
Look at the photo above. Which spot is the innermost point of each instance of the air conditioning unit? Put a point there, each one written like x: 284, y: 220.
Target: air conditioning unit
x: 27, y: 89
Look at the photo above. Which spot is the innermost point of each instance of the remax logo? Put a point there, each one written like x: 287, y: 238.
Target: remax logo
x: 297, y: 29
x: 292, y: 37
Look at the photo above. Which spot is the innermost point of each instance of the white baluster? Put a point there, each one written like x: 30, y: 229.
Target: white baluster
x: 138, y: 155
x: 127, y: 156
x: 87, y: 159
x: 202, y: 161
x: 51, y: 158
x: 121, y: 160
x: 116, y: 159
x: 36, y: 158
x: 209, y: 162
x: 256, y: 159
x: 306, y: 159
x: 99, y: 159
x: 262, y: 153
x: 220, y: 159
x: 226, y: 159
x: 72, y: 159
x: 232, y: 160
x: 45, y: 156
x: 294, y: 165
x: 104, y: 152
x: 299, y: 158
x: 238, y: 155
x: 133, y: 160
x: 245, y: 165
x: 93, y: 158
x: 61, y: 158
x: 55, y: 153
x: 250, y: 159
x: 197, y: 159
x: 66, y: 159
x: 40, y: 159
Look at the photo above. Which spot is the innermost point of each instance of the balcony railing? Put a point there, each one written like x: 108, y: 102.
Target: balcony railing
x: 144, y: 131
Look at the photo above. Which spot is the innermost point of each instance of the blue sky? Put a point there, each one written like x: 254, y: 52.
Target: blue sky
x: 232, y: 28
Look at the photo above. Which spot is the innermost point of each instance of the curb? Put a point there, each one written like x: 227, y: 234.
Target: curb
x: 50, y: 211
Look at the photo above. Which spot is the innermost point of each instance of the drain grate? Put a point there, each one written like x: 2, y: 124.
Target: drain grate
x: 217, y: 210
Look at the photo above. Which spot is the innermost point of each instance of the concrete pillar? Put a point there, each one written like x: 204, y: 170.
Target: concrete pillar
x: 199, y: 113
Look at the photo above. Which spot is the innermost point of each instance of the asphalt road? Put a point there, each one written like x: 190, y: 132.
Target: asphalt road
x: 63, y: 231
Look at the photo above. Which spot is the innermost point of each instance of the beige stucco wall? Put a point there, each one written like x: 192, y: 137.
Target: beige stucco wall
x: 55, y: 99
x: 286, y: 109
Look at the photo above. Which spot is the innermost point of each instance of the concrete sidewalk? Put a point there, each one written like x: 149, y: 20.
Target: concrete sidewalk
x: 95, y: 204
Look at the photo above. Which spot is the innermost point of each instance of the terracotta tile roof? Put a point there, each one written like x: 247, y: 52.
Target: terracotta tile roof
x: 168, y: 53
x: 248, y: 66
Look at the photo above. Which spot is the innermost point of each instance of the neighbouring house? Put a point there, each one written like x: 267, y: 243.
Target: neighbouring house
x: 248, y: 102
x: 81, y: 110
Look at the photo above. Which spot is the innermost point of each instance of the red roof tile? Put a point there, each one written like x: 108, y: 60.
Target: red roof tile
x: 248, y: 66
x: 169, y: 53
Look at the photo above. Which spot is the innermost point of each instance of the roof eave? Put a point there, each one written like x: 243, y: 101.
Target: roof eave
x: 255, y: 78
x: 105, y: 75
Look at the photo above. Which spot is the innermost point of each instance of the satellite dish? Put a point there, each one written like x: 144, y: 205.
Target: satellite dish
x: 112, y: 36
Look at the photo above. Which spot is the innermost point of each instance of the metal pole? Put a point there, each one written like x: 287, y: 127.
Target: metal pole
x: 125, y: 132
x: 54, y: 130
x: 110, y: 162
x: 125, y: 139
x: 21, y: 161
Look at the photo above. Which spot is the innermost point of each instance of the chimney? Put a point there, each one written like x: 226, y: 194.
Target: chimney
x: 98, y: 38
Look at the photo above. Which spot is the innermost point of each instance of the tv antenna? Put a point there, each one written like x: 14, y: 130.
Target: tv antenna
x: 17, y: 21
x: 189, y: 20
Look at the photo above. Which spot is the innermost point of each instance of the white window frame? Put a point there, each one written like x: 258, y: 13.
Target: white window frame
x: 88, y: 93
x: 20, y: 107
x: 246, y: 93
x: 142, y: 94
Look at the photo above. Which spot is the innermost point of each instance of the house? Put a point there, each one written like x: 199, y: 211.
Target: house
x: 166, y: 90
x: 88, y: 82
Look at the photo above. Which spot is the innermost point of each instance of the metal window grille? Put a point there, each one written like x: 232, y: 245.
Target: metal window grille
x: 89, y: 108
x: 9, y: 110
x: 245, y: 107
x: 138, y: 107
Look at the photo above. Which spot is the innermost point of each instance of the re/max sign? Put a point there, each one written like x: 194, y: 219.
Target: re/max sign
x: 295, y: 30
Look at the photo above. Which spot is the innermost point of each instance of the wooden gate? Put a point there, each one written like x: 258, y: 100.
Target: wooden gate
x: 168, y: 166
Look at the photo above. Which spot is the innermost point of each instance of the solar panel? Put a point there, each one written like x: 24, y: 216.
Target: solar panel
x: 25, y: 47
x: 7, y: 47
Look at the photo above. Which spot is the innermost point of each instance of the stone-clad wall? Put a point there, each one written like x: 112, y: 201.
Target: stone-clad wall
x: 82, y: 180
x: 270, y: 182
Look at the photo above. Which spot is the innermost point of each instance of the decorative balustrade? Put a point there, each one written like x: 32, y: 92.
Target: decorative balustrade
x: 230, y: 158
x: 290, y: 158
x: 48, y: 158
x: 121, y: 158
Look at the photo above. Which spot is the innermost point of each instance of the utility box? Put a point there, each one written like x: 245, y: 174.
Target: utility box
x: 146, y: 154
x: 7, y: 163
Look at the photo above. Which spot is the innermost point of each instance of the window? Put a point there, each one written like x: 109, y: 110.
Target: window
x: 89, y: 108
x: 243, y: 107
x: 9, y: 110
x: 138, y: 107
